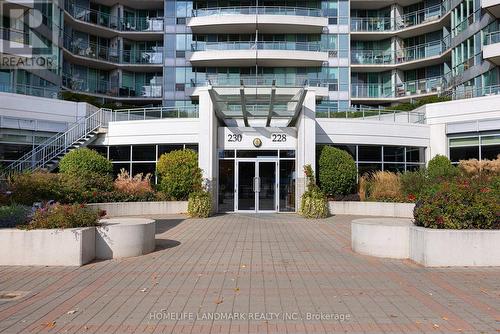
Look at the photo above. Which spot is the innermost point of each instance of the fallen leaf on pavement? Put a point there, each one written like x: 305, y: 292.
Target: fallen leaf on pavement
x: 71, y: 312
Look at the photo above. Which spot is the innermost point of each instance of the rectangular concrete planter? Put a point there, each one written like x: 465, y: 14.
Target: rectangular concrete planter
x: 142, y: 208
x: 436, y: 248
x: 402, y: 210
x: 68, y: 247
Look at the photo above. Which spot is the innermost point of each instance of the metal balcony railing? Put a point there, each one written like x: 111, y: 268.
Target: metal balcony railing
x: 395, y: 116
x: 95, y: 51
x: 140, y: 114
x: 132, y: 24
x: 408, y: 88
x: 49, y: 92
x: 492, y: 38
x: 382, y: 24
x: 388, y: 57
x: 260, y: 10
x: 229, y: 46
x: 467, y: 92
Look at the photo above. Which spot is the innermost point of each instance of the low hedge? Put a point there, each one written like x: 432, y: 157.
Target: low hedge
x: 200, y: 204
x: 313, y: 203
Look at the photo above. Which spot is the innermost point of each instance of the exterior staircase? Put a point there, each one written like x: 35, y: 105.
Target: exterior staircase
x: 47, y: 154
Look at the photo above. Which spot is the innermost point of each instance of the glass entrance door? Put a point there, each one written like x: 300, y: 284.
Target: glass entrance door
x: 256, y: 185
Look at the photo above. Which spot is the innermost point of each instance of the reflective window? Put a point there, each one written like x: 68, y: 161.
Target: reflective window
x: 482, y: 146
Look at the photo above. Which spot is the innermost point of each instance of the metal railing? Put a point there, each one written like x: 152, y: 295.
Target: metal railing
x: 104, y: 87
x: 395, y: 116
x: 381, y: 24
x: 261, y: 10
x: 467, y: 92
x: 51, y: 148
x: 85, y: 49
x: 39, y: 91
x: 492, y: 38
x: 140, y: 114
x: 251, y: 45
x: 408, y: 88
x: 142, y: 24
x: 387, y: 57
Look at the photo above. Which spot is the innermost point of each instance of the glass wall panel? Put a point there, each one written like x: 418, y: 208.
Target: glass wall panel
x: 369, y: 153
x: 119, y: 153
x: 226, y: 185
x: 394, y: 154
x: 144, y: 153
x: 464, y: 153
x: 287, y: 186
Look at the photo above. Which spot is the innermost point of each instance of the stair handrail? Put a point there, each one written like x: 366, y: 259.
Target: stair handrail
x: 60, y: 142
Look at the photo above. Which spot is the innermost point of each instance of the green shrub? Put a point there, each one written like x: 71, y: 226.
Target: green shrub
x: 200, y: 204
x: 84, y: 161
x: 313, y: 203
x: 413, y: 184
x: 85, y: 188
x: 13, y: 215
x: 179, y: 174
x: 64, y: 216
x: 440, y: 167
x: 462, y: 203
x: 28, y: 188
x: 337, y: 172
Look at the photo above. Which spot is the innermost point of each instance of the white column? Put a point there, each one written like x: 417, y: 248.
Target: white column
x: 306, y: 142
x: 207, y: 143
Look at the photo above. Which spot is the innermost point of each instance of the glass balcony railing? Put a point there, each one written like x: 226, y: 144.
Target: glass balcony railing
x: 467, y: 92
x: 395, y: 116
x: 261, y: 10
x: 49, y: 92
x: 382, y: 24
x: 492, y: 38
x: 408, y: 88
x: 99, y: 52
x: 228, y: 46
x: 140, y: 114
x: 142, y: 24
x: 412, y: 53
x: 263, y: 80
x: 103, y: 87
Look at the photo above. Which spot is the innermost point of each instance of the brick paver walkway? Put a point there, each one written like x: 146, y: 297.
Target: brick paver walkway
x: 273, y: 273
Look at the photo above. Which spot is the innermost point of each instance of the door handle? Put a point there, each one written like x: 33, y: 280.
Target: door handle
x: 256, y: 184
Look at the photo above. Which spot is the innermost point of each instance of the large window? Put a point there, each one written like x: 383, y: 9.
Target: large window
x: 370, y: 158
x: 137, y: 159
x: 483, y: 146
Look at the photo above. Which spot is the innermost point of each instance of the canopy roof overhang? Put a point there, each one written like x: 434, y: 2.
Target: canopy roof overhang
x: 257, y: 105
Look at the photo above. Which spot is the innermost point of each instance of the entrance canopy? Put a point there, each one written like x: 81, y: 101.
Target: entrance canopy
x: 257, y: 105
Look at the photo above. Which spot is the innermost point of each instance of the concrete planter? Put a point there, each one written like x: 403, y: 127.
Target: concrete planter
x: 399, y: 238
x: 403, y: 210
x: 436, y: 248
x: 124, y: 237
x: 68, y: 247
x: 381, y: 237
x: 142, y: 208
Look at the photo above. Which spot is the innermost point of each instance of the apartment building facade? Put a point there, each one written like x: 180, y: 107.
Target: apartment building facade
x: 257, y: 87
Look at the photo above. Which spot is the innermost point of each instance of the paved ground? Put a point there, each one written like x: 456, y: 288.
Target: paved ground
x: 262, y: 274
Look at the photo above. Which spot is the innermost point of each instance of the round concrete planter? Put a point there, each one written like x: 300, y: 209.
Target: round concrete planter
x: 381, y: 237
x: 124, y: 237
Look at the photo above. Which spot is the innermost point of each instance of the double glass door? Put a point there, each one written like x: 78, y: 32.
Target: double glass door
x: 256, y: 185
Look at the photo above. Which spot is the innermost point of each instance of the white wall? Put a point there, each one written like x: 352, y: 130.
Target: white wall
x: 358, y: 131
x: 158, y: 131
x: 39, y: 108
x: 438, y: 115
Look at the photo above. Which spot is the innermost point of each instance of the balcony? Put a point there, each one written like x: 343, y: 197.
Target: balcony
x: 283, y: 54
x: 109, y: 58
x: 492, y: 6
x: 103, y: 88
x: 367, y: 93
x: 406, y: 58
x: 48, y: 92
x: 418, y: 22
x: 272, y: 20
x: 491, y: 49
x: 93, y: 21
